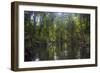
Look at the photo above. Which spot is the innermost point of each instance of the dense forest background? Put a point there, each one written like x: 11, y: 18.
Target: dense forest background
x: 56, y: 36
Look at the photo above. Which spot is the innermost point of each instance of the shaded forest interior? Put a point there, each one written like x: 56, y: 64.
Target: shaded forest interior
x: 56, y: 36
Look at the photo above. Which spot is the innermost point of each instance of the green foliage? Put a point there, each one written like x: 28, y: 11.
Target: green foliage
x: 58, y: 35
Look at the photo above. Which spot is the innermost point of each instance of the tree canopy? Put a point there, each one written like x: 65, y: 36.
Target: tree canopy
x: 56, y: 35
